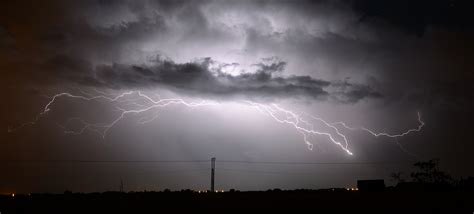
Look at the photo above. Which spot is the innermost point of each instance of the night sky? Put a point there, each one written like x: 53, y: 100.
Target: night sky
x: 95, y: 92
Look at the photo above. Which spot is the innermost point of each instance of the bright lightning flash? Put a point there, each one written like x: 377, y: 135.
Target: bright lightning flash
x: 303, y: 123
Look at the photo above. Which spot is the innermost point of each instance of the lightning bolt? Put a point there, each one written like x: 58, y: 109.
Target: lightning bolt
x: 104, y: 128
x: 303, y: 123
x: 384, y: 134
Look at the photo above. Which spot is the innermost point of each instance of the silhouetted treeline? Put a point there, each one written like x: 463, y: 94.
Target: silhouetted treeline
x: 428, y: 177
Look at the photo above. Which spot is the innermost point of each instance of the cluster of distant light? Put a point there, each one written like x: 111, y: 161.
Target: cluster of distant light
x: 209, y: 191
x: 302, y: 123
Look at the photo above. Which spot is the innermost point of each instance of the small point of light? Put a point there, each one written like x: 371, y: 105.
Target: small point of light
x: 13, y: 194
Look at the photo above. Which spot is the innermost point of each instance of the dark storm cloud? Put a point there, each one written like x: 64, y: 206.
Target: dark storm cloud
x: 74, y: 51
x: 329, y: 40
x: 93, y: 41
x: 416, y: 16
x: 200, y: 78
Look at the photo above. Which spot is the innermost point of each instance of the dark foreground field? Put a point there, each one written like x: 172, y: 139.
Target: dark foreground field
x: 314, y: 201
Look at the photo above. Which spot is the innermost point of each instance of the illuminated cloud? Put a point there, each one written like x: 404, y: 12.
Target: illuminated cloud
x: 205, y: 78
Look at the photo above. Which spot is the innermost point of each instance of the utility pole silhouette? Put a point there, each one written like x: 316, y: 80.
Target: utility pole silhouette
x: 213, y: 166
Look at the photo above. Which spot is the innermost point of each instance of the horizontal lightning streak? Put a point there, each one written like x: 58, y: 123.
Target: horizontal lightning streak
x: 375, y: 134
x: 106, y: 127
x: 278, y: 114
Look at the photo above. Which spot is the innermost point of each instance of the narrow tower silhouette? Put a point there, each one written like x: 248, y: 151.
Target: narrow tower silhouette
x: 213, y: 166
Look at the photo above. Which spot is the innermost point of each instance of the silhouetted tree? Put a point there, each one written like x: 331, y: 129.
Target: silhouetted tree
x: 429, y: 173
x: 397, y: 177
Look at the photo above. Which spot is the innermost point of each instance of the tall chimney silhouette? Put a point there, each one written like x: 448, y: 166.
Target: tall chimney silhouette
x: 213, y: 166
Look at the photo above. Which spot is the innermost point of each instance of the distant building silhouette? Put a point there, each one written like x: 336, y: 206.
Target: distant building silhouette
x: 371, y: 185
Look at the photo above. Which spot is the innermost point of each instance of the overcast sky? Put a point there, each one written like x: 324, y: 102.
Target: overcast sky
x: 369, y: 64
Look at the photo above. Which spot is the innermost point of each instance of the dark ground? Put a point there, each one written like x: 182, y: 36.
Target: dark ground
x: 268, y: 201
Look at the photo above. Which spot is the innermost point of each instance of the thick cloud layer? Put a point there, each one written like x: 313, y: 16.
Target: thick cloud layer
x: 208, y: 78
x: 342, y: 43
x: 115, y: 45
